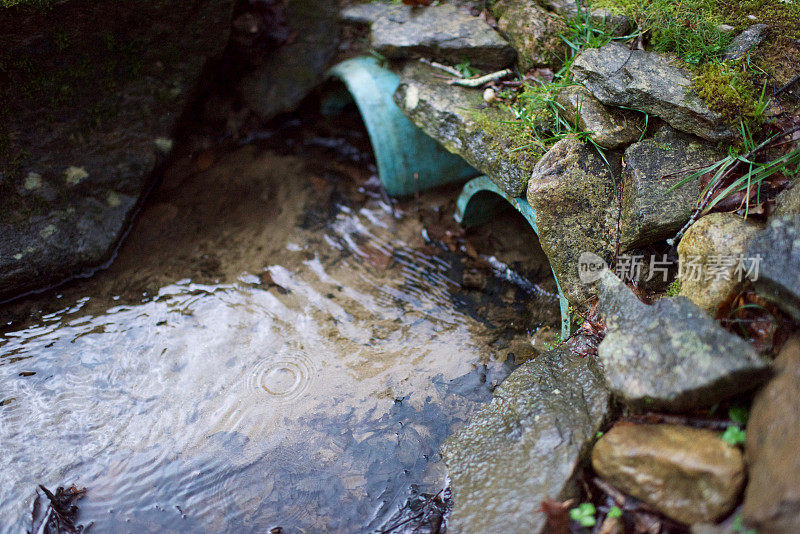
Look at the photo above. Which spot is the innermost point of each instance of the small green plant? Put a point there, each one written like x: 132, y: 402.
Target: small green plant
x: 466, y: 70
x: 674, y: 288
x: 584, y: 514
x: 738, y: 526
x: 555, y: 344
x: 734, y: 436
x: 739, y: 414
x: 614, y: 512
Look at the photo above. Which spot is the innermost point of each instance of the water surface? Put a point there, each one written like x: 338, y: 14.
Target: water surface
x: 276, y: 345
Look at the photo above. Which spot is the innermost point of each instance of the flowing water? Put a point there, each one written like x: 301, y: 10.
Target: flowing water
x: 275, y: 345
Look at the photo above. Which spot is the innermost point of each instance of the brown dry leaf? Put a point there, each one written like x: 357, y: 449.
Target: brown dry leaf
x: 557, y: 516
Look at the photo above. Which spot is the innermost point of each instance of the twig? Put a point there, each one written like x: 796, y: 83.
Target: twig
x: 683, y: 420
x: 477, y: 82
x: 714, y: 188
x: 787, y: 86
x: 449, y: 70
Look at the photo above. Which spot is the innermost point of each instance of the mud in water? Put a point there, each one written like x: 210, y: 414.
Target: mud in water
x: 277, y: 344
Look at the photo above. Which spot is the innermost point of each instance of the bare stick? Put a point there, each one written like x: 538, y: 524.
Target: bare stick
x: 480, y: 80
x: 449, y: 70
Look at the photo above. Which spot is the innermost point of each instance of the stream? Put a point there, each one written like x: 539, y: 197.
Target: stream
x: 275, y: 345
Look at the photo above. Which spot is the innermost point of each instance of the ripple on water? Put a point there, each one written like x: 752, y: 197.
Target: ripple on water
x: 284, y: 379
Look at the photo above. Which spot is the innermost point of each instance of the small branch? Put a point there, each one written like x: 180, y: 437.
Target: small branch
x: 787, y: 86
x: 449, y: 70
x: 477, y: 82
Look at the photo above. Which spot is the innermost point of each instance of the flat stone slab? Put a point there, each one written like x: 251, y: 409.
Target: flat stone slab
x: 670, y: 355
x: 526, y: 445
x: 778, y: 248
x: 458, y: 118
x: 648, y: 81
x: 446, y: 33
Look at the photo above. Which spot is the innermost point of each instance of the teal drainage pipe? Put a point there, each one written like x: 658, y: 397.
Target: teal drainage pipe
x: 479, y: 201
x: 408, y: 160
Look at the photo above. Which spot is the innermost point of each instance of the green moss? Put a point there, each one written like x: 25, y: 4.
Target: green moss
x: 727, y: 89
x: 508, y: 134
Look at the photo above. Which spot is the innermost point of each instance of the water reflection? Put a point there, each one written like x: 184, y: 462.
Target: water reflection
x: 312, y: 394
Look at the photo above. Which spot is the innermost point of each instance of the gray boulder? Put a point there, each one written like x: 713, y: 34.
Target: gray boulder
x: 609, y: 127
x: 670, y: 355
x: 446, y: 33
x: 777, y: 249
x: 649, y: 82
x: 459, y: 119
x: 745, y: 42
x: 526, y: 445
x: 284, y: 76
x: 533, y: 31
x: 87, y: 117
x: 650, y: 210
x: 573, y: 193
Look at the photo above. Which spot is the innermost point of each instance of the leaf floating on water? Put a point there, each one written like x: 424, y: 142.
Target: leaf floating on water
x: 60, y: 515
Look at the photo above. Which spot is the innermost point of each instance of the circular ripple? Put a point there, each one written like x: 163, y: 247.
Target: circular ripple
x: 284, y: 379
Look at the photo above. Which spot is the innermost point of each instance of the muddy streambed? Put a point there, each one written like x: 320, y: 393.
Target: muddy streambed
x: 276, y: 344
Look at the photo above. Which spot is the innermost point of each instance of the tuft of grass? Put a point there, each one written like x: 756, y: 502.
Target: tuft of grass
x: 742, y: 172
x: 537, y: 109
x: 681, y: 27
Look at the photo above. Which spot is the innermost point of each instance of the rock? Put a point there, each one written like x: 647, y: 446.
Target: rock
x: 778, y: 249
x: 650, y: 211
x: 709, y: 279
x: 532, y: 31
x: 78, y: 120
x: 745, y: 42
x: 458, y: 118
x: 446, y: 33
x: 526, y: 444
x: 670, y: 355
x: 788, y: 202
x: 688, y: 474
x: 611, y: 128
x: 284, y: 76
x: 772, y: 499
x: 572, y: 191
x: 365, y: 13
x: 649, y: 82
x: 614, y: 24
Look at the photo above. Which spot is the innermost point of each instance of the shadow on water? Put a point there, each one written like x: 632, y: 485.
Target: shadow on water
x: 277, y: 344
